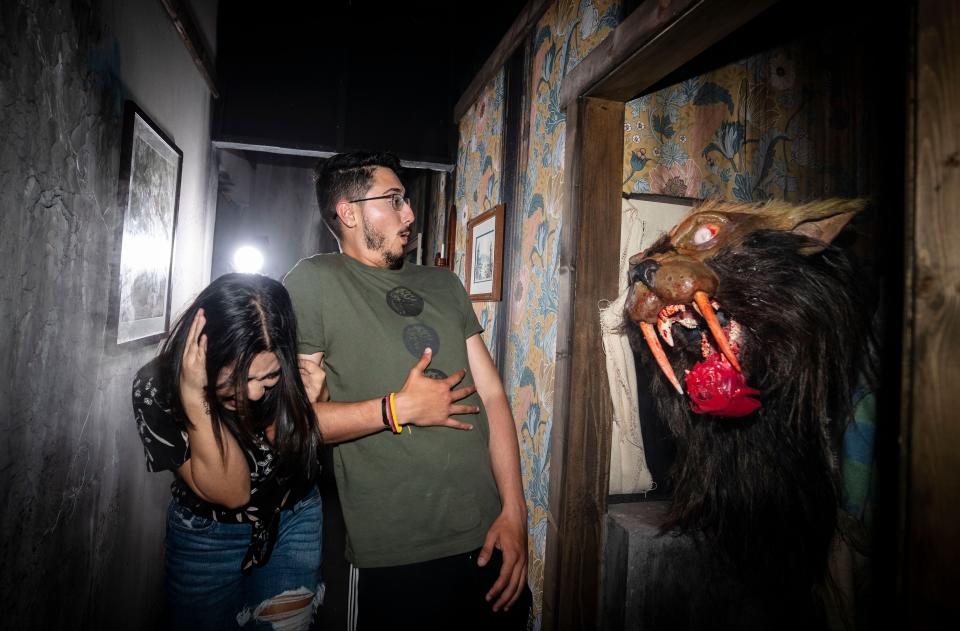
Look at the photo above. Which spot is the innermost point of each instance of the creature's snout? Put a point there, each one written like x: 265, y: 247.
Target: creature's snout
x: 669, y: 289
x: 658, y: 282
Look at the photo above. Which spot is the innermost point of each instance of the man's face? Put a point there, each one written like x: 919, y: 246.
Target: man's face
x: 385, y: 230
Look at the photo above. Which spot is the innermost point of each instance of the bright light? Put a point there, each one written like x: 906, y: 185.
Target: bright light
x: 247, y: 259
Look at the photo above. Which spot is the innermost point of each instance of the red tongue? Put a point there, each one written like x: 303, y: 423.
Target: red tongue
x: 715, y: 387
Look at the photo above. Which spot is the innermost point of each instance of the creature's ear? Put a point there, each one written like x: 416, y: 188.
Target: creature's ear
x: 823, y: 230
x: 821, y: 220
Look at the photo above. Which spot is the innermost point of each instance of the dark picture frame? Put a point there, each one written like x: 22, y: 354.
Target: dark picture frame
x: 450, y: 252
x: 149, y: 198
x: 484, y: 269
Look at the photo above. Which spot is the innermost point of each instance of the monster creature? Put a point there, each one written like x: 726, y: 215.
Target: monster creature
x: 759, y: 330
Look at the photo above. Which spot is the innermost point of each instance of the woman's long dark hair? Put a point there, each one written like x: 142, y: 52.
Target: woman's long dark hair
x: 248, y: 314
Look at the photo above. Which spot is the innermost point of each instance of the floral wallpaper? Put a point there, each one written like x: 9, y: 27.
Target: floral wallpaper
x: 566, y: 33
x: 479, y: 169
x: 776, y: 124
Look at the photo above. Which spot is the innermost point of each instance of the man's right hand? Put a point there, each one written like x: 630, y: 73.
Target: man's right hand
x: 314, y: 378
x: 424, y: 401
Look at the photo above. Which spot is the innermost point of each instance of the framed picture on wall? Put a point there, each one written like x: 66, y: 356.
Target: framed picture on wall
x: 484, y: 271
x: 149, y: 194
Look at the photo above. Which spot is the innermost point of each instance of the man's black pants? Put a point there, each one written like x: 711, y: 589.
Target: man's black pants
x: 447, y: 593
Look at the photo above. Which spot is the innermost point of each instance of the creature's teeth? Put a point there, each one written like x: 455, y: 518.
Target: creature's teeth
x: 734, y: 334
x: 706, y: 350
x: 651, y: 337
x: 663, y: 326
x: 712, y: 303
x: 668, y: 316
x: 706, y: 310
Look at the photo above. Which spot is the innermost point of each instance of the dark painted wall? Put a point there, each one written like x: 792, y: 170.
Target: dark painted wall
x: 81, y: 524
x: 347, y: 75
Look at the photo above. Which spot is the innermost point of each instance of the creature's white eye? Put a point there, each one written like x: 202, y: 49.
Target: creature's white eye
x: 705, y: 233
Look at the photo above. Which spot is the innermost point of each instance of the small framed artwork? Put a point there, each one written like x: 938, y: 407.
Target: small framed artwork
x: 484, y: 271
x: 149, y: 194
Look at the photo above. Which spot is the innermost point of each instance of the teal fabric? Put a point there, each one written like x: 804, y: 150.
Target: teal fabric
x: 857, y: 456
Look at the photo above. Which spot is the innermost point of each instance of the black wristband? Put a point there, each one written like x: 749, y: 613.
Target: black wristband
x: 383, y: 410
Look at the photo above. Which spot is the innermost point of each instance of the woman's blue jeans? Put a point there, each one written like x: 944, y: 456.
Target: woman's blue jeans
x: 206, y: 589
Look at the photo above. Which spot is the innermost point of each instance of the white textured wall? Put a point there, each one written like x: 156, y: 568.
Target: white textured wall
x: 81, y: 527
x: 160, y: 76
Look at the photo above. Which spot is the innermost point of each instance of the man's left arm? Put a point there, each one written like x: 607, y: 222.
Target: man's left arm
x: 509, y: 531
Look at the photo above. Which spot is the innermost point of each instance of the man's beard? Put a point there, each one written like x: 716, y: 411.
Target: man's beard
x: 374, y: 241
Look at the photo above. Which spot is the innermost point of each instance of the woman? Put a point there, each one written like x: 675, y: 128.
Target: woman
x: 224, y: 407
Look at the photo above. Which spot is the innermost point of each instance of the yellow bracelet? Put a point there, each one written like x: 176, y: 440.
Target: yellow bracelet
x: 393, y: 412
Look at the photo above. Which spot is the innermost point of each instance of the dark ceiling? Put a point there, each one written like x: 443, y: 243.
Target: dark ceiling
x: 343, y: 75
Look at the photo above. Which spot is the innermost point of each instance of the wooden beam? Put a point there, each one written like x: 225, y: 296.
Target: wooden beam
x: 516, y: 138
x: 931, y: 371
x: 654, y: 40
x: 189, y: 32
x: 583, y: 411
x: 525, y: 22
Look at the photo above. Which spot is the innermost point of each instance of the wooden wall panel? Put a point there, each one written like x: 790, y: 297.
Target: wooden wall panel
x: 580, y: 451
x: 932, y: 396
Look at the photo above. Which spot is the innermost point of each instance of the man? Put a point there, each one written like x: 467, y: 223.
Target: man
x: 434, y: 507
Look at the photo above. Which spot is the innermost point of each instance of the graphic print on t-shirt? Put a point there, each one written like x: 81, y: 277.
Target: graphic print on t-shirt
x: 416, y: 337
x: 405, y: 302
x: 419, y: 337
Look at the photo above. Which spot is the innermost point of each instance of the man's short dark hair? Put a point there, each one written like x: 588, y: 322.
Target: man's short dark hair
x: 347, y: 176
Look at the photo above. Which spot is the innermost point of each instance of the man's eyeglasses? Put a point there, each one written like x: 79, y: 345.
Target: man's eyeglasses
x: 396, y: 200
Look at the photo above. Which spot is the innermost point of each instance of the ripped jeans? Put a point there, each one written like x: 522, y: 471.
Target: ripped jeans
x: 206, y: 589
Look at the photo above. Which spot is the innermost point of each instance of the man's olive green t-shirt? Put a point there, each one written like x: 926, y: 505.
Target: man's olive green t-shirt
x: 427, y: 492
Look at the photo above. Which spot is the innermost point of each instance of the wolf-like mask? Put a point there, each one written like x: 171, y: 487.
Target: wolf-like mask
x: 674, y: 284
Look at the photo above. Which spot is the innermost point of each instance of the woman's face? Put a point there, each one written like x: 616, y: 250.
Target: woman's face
x: 264, y: 374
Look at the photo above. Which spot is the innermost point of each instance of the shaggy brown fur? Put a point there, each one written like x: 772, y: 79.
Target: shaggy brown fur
x: 760, y: 491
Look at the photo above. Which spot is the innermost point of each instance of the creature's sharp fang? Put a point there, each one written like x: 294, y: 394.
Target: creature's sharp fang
x: 663, y: 326
x: 651, y: 337
x: 706, y: 310
x: 674, y: 314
